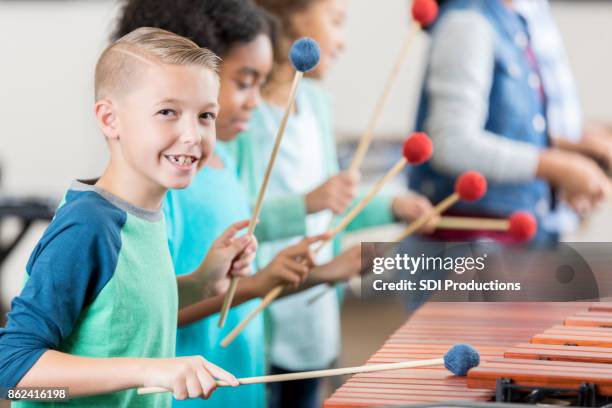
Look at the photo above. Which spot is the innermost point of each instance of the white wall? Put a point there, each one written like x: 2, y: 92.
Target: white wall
x: 47, y: 132
x: 587, y: 31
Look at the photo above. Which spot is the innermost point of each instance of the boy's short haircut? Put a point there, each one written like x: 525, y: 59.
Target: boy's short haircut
x: 118, y: 66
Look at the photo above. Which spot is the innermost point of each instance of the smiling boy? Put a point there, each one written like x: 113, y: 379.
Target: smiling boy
x: 98, y: 313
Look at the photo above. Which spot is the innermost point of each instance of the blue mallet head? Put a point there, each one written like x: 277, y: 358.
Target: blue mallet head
x: 461, y: 358
x: 304, y: 54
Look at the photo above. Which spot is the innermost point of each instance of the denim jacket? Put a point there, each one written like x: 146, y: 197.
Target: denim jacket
x: 516, y: 111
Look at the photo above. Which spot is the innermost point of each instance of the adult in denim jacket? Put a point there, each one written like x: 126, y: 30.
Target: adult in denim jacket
x: 484, y: 107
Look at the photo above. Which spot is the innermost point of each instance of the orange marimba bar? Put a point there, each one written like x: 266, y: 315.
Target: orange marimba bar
x: 491, y: 328
x: 567, y: 356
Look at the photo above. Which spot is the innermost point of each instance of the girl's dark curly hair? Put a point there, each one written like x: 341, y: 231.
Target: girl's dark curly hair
x: 284, y: 10
x: 218, y: 25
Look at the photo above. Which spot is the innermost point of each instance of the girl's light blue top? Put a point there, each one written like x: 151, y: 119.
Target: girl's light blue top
x: 196, y: 216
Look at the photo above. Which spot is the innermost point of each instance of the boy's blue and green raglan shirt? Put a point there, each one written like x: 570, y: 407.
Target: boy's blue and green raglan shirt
x: 100, y: 283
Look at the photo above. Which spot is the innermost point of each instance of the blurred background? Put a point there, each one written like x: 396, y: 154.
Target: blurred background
x: 48, y: 135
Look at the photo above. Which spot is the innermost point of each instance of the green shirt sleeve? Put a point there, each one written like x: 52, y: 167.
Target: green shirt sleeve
x: 377, y: 212
x: 281, y: 216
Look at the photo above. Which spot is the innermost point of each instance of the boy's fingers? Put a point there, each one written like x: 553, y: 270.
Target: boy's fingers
x: 239, y: 245
x: 180, y: 391
x: 240, y: 272
x: 239, y: 265
x: 247, y: 255
x: 207, y: 382
x: 252, y: 248
x: 221, y: 374
x: 243, y: 262
x: 233, y: 229
x: 194, y: 388
x: 247, y: 252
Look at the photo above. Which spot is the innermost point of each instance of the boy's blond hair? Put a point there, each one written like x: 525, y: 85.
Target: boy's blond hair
x: 118, y: 66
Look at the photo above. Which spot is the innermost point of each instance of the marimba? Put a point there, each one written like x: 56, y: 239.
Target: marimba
x: 527, y: 350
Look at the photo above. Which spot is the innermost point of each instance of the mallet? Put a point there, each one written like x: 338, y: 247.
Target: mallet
x: 459, y: 359
x: 470, y: 186
x: 521, y: 225
x: 304, y: 56
x: 416, y: 150
x: 424, y: 12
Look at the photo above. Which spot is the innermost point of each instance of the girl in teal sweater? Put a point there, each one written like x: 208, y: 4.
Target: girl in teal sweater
x: 304, y: 192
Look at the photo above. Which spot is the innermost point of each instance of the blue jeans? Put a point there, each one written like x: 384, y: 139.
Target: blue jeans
x: 293, y: 394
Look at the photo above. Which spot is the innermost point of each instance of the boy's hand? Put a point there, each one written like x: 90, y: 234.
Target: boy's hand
x: 289, y: 267
x: 186, y: 377
x: 409, y: 207
x: 336, y: 194
x: 228, y: 256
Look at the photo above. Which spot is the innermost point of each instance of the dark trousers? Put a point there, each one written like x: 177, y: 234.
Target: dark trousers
x: 293, y: 394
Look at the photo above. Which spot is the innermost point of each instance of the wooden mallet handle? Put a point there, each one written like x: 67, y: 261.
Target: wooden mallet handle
x: 316, y: 374
x: 423, y: 13
x: 269, y: 298
x: 346, y: 220
x: 409, y: 230
x: 368, y: 135
x: 522, y: 226
x: 470, y: 186
x: 229, y: 296
x: 417, y: 224
x: 469, y: 223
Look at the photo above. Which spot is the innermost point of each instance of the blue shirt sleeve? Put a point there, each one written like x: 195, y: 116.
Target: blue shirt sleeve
x: 68, y: 268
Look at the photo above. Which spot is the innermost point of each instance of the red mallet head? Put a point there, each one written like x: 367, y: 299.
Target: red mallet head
x: 424, y: 11
x: 417, y: 148
x: 523, y: 226
x: 471, y: 186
